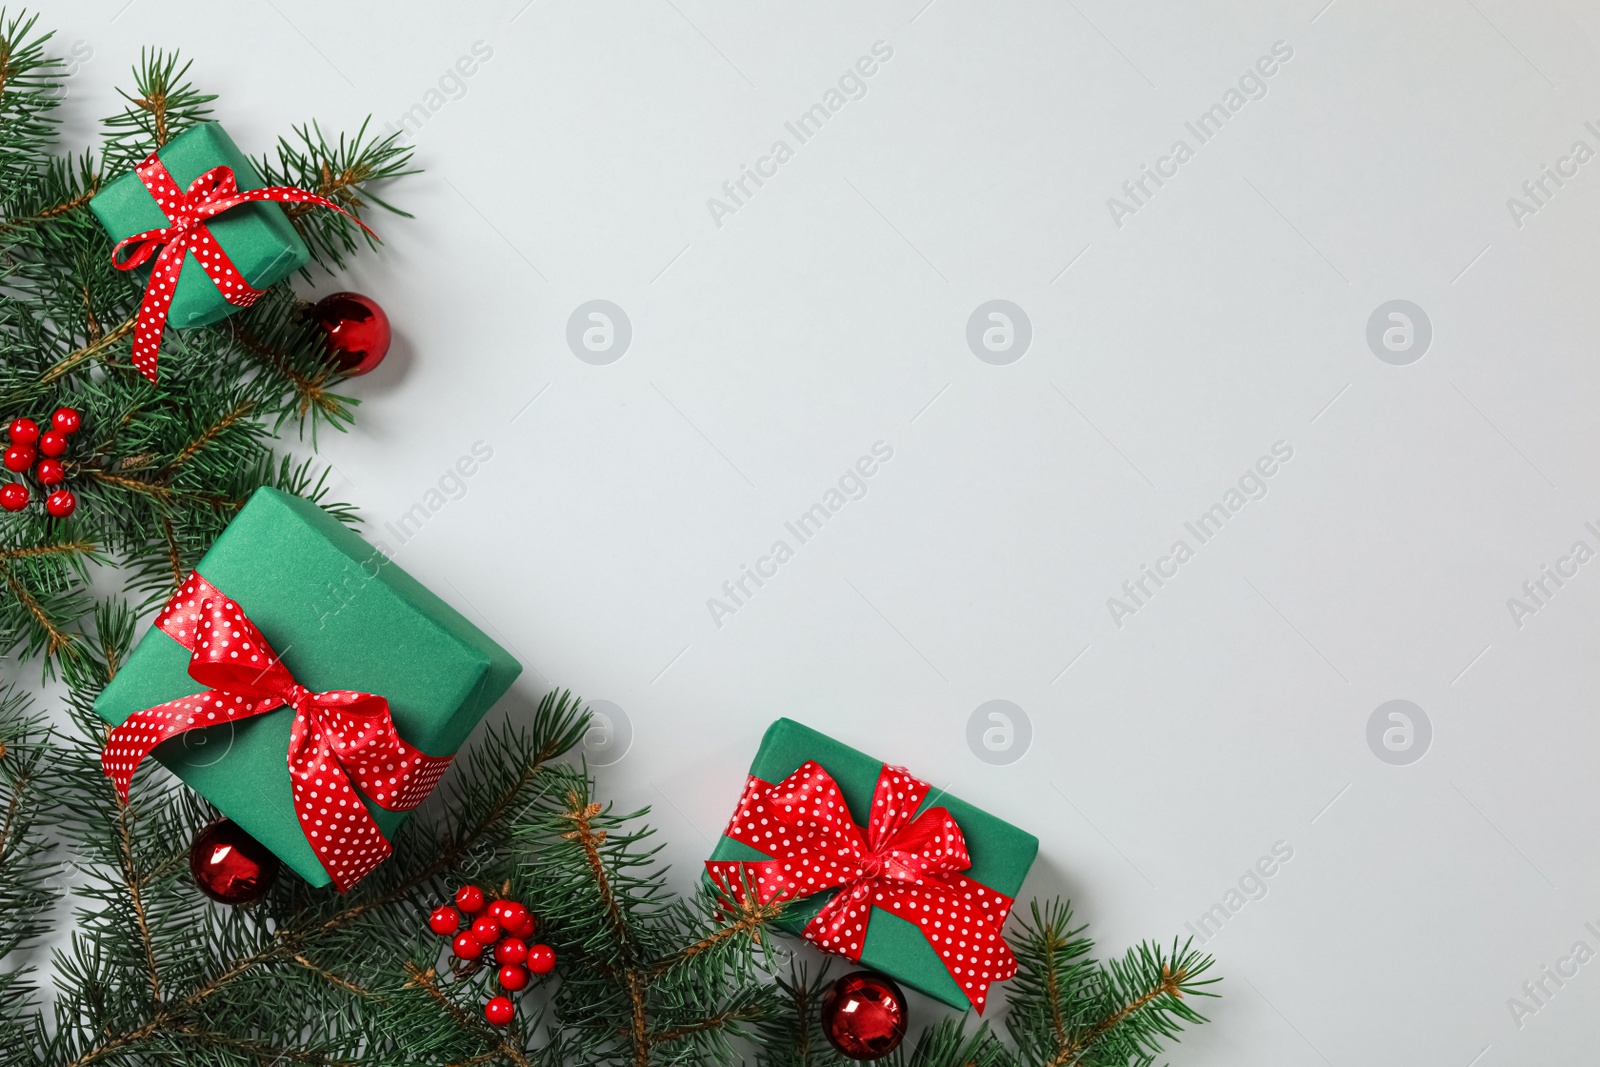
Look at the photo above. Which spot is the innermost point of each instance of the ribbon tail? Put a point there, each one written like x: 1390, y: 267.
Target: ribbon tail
x: 841, y: 926
x: 128, y: 744
x: 340, y: 829
x: 155, y: 305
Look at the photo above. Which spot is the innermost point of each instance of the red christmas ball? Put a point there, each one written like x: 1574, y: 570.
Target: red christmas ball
x: 67, y: 420
x: 61, y: 503
x: 864, y: 1015
x: 229, y: 865
x: 354, y: 329
x: 513, y: 915
x: 466, y: 946
x: 469, y: 898
x: 541, y: 959
x: 512, y: 977
x: 53, y: 443
x: 510, y: 950
x: 486, y: 930
x: 499, y: 1011
x: 24, y: 431
x: 19, y: 458
x: 444, y: 921
x: 525, y: 932
x: 51, y: 472
x: 13, y: 496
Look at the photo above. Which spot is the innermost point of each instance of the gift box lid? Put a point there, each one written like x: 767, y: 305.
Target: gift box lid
x: 257, y: 236
x: 1001, y: 853
x: 340, y: 616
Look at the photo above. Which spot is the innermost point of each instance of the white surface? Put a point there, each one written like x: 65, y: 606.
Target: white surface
x: 829, y: 312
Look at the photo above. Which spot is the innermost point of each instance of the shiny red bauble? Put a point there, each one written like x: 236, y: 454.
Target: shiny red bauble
x: 67, y: 420
x: 354, y: 329
x: 486, y: 930
x: 13, y: 496
x: 23, y: 431
x: 51, y: 472
x: 864, y: 1015
x: 499, y: 1011
x: 541, y: 959
x: 510, y: 950
x: 61, y: 503
x: 19, y: 458
x: 53, y: 443
x: 512, y: 977
x: 444, y: 921
x: 229, y: 865
x: 466, y: 946
x: 469, y: 898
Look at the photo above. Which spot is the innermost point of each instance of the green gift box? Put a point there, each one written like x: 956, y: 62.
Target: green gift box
x: 340, y: 616
x: 257, y: 236
x: 1001, y: 854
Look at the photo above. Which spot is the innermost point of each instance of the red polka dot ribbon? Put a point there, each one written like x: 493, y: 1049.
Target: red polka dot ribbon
x: 906, y: 864
x: 340, y: 740
x: 215, y: 191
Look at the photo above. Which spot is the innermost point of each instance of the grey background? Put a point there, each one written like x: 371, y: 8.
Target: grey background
x: 829, y: 312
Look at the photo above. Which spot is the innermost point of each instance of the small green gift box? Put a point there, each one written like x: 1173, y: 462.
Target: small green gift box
x: 258, y: 237
x: 792, y: 755
x: 340, y: 616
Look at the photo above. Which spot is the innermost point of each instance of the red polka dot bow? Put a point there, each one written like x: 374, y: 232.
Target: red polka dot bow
x: 215, y: 191
x: 906, y: 865
x: 340, y: 740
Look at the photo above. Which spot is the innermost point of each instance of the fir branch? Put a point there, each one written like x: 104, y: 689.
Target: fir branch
x: 94, y: 349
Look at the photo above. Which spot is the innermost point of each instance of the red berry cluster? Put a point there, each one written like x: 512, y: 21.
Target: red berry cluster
x: 26, y: 445
x: 508, y: 927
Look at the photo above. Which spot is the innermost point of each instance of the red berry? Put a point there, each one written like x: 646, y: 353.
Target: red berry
x: 61, y: 503
x: 497, y: 910
x: 510, y: 950
x: 514, y: 916
x: 13, y: 496
x: 513, y: 977
x: 526, y: 931
x: 51, y: 472
x: 66, y: 420
x: 469, y: 898
x: 466, y: 946
x: 541, y: 959
x: 52, y: 442
x: 19, y: 458
x: 486, y: 930
x: 444, y: 921
x: 24, y: 431
x: 499, y: 1011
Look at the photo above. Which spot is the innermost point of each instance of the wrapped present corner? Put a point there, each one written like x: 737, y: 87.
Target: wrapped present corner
x: 879, y: 867
x: 306, y: 686
x: 203, y: 231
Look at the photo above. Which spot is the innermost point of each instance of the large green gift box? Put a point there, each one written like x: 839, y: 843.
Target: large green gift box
x: 1001, y: 853
x: 340, y: 616
x: 257, y: 236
